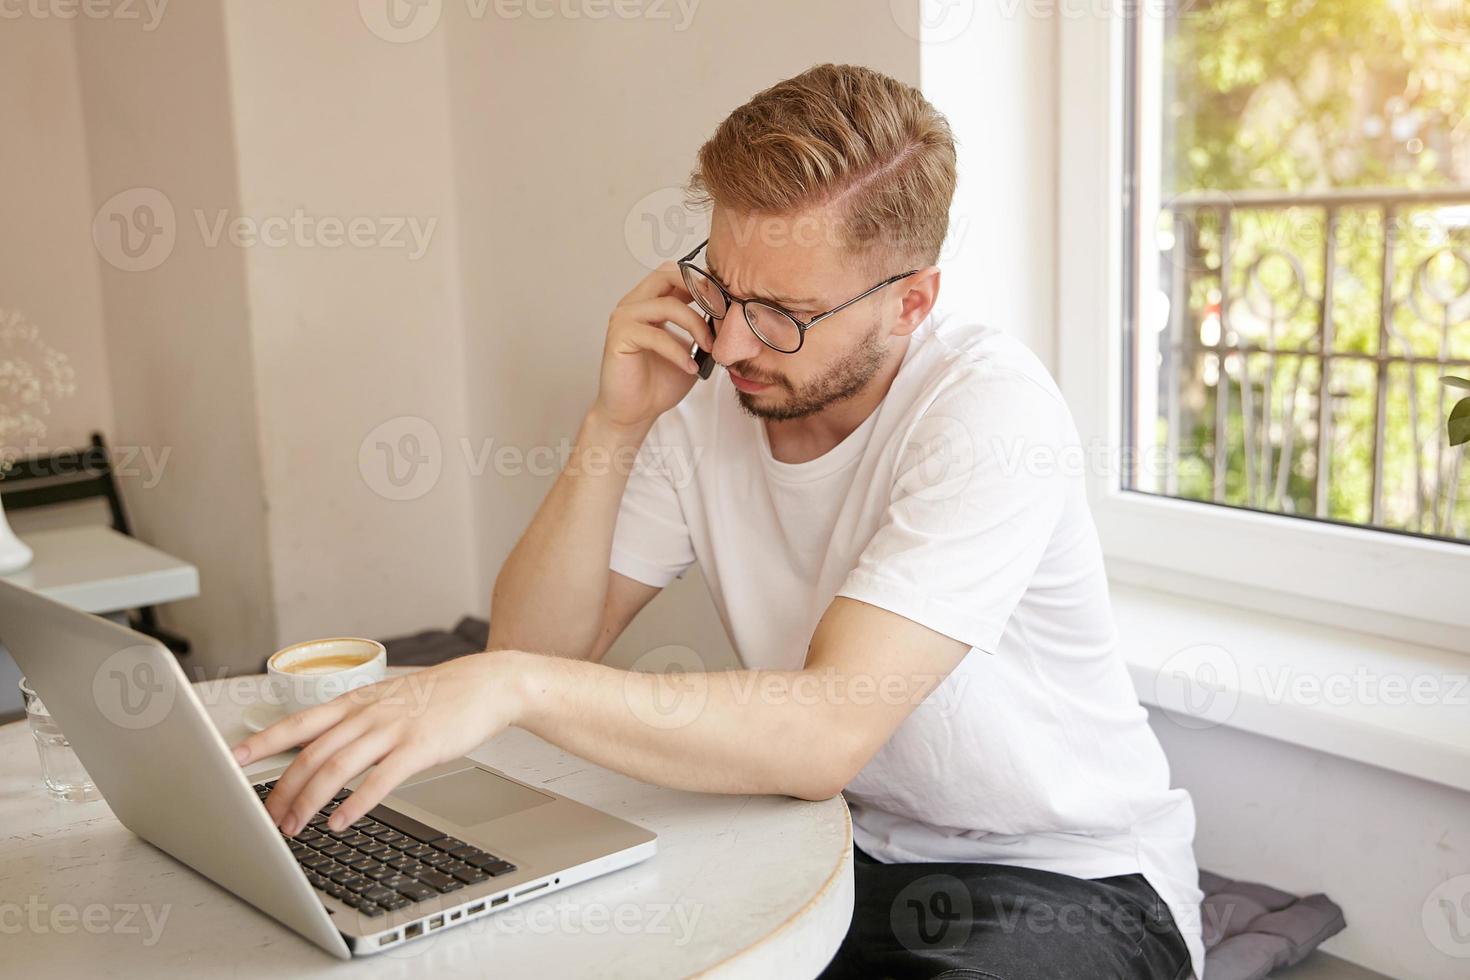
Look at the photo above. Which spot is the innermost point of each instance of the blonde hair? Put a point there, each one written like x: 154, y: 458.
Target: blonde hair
x: 842, y: 137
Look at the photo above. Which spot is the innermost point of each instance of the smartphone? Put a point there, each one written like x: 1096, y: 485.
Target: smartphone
x: 702, y: 357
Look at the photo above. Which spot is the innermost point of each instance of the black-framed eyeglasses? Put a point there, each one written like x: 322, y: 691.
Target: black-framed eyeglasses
x: 777, y: 328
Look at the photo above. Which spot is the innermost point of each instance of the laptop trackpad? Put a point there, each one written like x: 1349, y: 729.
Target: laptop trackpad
x: 471, y: 796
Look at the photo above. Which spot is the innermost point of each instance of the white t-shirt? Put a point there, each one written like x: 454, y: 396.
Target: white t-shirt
x: 958, y: 504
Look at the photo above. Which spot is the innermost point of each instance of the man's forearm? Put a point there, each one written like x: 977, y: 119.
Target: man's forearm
x: 739, y: 731
x: 552, y: 589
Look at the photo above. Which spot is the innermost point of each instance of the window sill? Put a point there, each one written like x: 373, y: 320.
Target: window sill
x: 1388, y: 703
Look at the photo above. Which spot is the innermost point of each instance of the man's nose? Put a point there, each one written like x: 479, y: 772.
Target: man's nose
x: 734, y: 340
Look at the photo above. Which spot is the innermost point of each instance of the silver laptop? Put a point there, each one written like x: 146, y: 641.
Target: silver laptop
x: 454, y: 843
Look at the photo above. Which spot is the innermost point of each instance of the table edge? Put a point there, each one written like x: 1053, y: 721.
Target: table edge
x: 841, y: 867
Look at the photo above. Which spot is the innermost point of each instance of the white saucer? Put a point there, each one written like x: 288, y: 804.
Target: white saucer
x: 261, y: 716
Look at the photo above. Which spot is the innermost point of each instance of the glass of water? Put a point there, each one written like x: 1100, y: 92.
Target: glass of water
x: 60, y: 768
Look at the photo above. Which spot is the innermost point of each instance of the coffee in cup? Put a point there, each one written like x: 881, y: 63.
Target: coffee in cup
x: 307, y: 674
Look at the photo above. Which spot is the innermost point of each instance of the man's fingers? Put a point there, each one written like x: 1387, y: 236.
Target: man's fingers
x: 682, y: 315
x: 290, y: 731
x: 334, y: 772
x: 399, y: 764
x: 666, y: 280
x: 658, y: 341
x: 299, y: 773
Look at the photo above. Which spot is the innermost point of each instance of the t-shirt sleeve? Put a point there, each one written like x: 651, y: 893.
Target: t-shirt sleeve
x: 979, y: 488
x: 651, y: 541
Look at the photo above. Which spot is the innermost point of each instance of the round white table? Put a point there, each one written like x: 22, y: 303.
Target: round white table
x: 742, y: 886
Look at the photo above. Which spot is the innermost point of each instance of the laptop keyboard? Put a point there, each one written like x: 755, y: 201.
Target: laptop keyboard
x: 386, y: 860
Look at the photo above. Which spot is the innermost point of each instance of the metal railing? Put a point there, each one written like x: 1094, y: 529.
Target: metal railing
x: 1305, y: 337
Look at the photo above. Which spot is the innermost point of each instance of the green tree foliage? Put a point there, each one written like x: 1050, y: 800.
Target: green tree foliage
x: 1304, y: 98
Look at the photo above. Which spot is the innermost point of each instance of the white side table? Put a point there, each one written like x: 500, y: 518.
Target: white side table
x: 99, y: 571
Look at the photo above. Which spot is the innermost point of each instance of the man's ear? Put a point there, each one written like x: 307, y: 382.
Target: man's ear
x: 919, y: 293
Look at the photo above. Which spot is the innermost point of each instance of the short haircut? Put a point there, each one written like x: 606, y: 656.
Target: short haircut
x: 838, y: 137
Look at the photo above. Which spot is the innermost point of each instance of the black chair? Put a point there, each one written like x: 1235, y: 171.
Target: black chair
x: 72, y: 474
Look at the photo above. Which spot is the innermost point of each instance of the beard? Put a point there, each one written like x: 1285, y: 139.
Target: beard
x: 841, y: 381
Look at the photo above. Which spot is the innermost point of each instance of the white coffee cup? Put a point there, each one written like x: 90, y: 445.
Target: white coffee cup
x: 304, y: 675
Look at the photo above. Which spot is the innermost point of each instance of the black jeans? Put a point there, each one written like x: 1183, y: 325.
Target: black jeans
x: 994, y: 922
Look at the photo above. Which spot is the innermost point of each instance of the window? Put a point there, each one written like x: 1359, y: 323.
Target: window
x: 1237, y: 181
x: 1302, y: 264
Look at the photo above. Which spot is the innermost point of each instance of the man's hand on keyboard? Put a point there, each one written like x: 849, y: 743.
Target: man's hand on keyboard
x: 399, y: 726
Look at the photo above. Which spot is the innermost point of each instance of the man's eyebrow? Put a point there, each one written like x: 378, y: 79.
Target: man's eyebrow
x: 709, y: 263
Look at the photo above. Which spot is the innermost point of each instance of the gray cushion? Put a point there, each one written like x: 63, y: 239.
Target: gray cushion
x: 1251, y: 930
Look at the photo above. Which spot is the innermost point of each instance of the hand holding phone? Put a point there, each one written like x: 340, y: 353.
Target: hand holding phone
x: 647, y: 362
x: 702, y: 357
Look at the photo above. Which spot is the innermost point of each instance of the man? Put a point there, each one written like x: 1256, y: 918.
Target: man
x: 882, y: 507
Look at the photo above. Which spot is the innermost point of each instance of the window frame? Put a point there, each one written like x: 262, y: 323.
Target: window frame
x: 1372, y: 580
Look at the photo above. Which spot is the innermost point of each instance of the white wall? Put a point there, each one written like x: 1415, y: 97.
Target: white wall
x: 992, y: 72
x: 48, y: 271
x: 266, y: 348
x: 356, y: 345
x: 1376, y: 842
x: 158, y: 122
x: 573, y: 138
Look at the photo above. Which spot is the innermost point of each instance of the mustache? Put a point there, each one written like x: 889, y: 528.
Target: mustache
x: 750, y: 373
